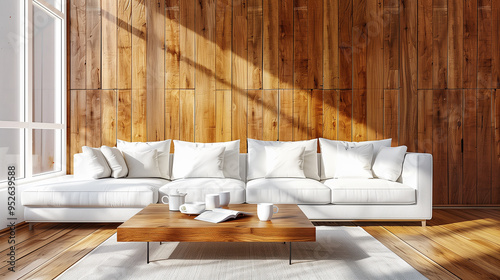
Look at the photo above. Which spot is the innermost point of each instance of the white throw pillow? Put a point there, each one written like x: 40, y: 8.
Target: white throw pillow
x: 206, y: 162
x: 116, y: 161
x: 389, y: 162
x: 95, y: 163
x: 257, y: 157
x: 162, y: 147
x: 355, y: 162
x: 142, y: 164
x: 285, y: 162
x: 329, y: 153
x: 231, y: 155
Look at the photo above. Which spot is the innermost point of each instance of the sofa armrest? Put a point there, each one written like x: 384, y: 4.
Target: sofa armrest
x: 417, y: 173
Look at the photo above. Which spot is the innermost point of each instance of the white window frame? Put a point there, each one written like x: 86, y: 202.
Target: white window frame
x: 27, y: 125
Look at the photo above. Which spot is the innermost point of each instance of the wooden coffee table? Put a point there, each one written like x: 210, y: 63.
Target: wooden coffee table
x: 156, y: 223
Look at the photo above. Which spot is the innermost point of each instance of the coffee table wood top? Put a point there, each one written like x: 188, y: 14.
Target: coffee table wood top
x: 156, y: 223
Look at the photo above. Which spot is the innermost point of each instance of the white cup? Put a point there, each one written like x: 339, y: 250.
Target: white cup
x: 224, y: 198
x: 265, y: 211
x: 212, y: 201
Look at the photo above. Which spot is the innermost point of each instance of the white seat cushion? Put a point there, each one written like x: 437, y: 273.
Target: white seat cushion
x: 197, y: 188
x: 287, y: 190
x: 370, y: 191
x: 70, y: 192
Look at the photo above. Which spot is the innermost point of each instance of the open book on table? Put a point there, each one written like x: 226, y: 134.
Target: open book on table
x: 220, y: 215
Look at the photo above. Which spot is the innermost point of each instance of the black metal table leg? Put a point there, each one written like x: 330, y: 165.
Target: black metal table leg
x: 290, y: 259
x: 148, y: 253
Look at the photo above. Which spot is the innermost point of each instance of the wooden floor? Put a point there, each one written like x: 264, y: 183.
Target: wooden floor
x: 456, y: 244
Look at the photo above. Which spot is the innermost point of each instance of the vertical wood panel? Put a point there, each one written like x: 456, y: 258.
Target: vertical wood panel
x: 93, y: 118
x: 375, y: 45
x: 345, y: 115
x: 223, y: 116
x: 455, y: 163
x: 455, y: 43
x: 285, y: 115
x: 108, y: 116
x: 155, y: 65
x: 495, y: 198
x: 124, y: 115
x: 425, y: 50
x: 470, y: 44
x: 93, y: 32
x: 124, y: 37
x: 285, y: 43
x: 270, y: 44
x: 391, y: 115
x: 359, y: 44
x: 255, y: 120
x: 495, y: 42
x: 187, y: 40
x: 484, y: 146
x: 470, y: 147
x: 300, y: 44
x: 300, y: 124
x: 186, y: 115
x: 172, y: 44
x: 484, y: 63
x: 439, y: 44
x: 109, y: 44
x: 391, y: 44
x: 240, y: 73
x: 315, y: 112
x: 139, y: 113
x: 331, y: 44
x: 345, y: 44
x: 425, y: 120
x: 205, y: 76
x: 254, y: 44
x: 408, y: 92
x: 78, y: 129
x: 172, y: 115
x: 315, y: 43
x: 330, y: 111
x: 270, y: 99
x: 78, y: 44
x: 139, y: 48
x: 374, y: 117
x: 440, y: 147
x: 359, y: 115
x: 223, y: 37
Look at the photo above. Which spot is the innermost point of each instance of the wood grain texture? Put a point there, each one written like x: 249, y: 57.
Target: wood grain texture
x: 108, y: 116
x: 345, y: 44
x: 78, y: 44
x: 255, y: 114
x: 124, y: 115
x: 455, y: 163
x: 345, y: 115
x: 425, y: 49
x: 470, y: 44
x: 254, y: 12
x: 109, y: 49
x: 425, y: 120
x: 139, y: 45
x: 331, y: 44
x: 124, y: 43
x: 78, y: 129
x: 187, y: 41
x: 93, y: 45
x: 495, y: 197
x: 223, y: 115
x: 359, y: 44
x: 315, y: 114
x: 440, y: 146
x: 374, y: 118
x: 172, y: 115
x: 391, y: 115
x: 484, y: 44
x: 470, y: 154
x: 93, y: 118
x: 223, y: 37
x: 270, y: 99
x: 139, y: 115
x: 359, y: 126
x: 391, y: 44
x: 495, y: 44
x: 300, y: 44
x: 455, y: 43
x: 315, y: 44
x: 270, y: 49
x: 285, y: 43
x: 300, y: 114
x: 285, y: 115
x: 186, y: 112
x: 484, y: 146
x: 330, y: 113
x: 439, y: 44
x: 172, y: 44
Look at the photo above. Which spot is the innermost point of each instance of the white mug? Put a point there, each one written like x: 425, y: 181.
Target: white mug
x: 265, y: 211
x: 212, y: 201
x: 174, y: 200
x: 224, y: 198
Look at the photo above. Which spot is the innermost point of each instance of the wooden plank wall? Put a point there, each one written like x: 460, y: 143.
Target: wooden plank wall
x: 425, y: 73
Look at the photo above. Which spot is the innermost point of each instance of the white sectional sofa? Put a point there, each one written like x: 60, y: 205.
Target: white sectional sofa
x: 69, y: 199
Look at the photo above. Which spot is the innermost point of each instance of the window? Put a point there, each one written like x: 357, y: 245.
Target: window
x: 32, y: 79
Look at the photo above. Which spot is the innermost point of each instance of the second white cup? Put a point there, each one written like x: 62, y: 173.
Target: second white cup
x: 225, y: 198
x: 265, y: 211
x: 212, y: 201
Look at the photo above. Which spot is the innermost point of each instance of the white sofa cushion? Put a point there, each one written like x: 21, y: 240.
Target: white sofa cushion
x: 389, y: 163
x: 370, y: 191
x: 95, y: 163
x: 287, y: 190
x: 355, y: 162
x: 115, y: 161
x: 231, y: 155
x: 285, y: 162
x: 329, y: 153
x: 142, y: 164
x: 197, y: 188
x: 109, y: 192
x: 198, y: 162
x: 257, y: 157
x: 163, y: 148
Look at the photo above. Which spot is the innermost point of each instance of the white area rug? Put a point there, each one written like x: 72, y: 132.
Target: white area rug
x: 338, y: 253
